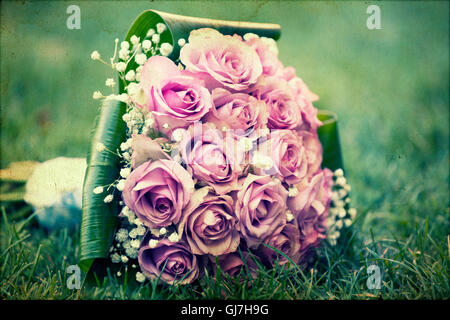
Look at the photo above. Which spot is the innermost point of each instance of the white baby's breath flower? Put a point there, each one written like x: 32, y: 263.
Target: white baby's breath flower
x: 133, y: 233
x: 126, y: 156
x: 339, y: 224
x: 97, y: 95
x: 140, y: 277
x: 341, y: 181
x: 120, y: 185
x: 108, y: 198
x: 122, y: 235
x: 134, y: 40
x: 124, y: 54
x: 289, y: 216
x: 110, y: 82
x: 352, y: 212
x: 153, y: 243
x: 95, y: 55
x: 166, y: 49
x: 146, y: 44
x: 115, y: 258
x: 165, y: 126
x: 181, y: 42
x: 249, y: 36
x: 292, y: 192
x: 342, y: 193
x: 347, y: 222
x: 124, y: 259
x: 150, y: 32
x: 125, y: 172
x: 178, y: 134
x: 126, y: 244
x: 140, y: 58
x: 137, y: 222
x: 155, y: 38
x: 123, y: 97
x: 100, y: 147
x: 132, y: 253
x: 140, y: 230
x: 98, y: 190
x: 121, y: 66
x: 339, y: 172
x: 130, y: 76
x: 135, y: 243
x: 174, y: 237
x: 347, y: 188
x: 341, y: 212
x: 160, y: 27
x: 124, y: 45
x: 163, y: 231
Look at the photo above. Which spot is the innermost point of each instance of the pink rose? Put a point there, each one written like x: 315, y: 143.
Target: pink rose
x: 269, y: 58
x: 211, y: 158
x: 158, y: 191
x: 304, y: 98
x: 174, y: 96
x: 172, y: 261
x: 222, y: 61
x: 294, y: 155
x: 298, y: 84
x: 260, y: 207
x: 209, y: 224
x: 232, y: 264
x: 310, y: 208
x: 287, y: 241
x: 239, y: 111
x: 280, y: 98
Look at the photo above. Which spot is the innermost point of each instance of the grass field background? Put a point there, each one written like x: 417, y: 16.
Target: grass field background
x: 389, y: 88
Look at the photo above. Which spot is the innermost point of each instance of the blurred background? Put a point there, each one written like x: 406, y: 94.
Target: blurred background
x: 389, y: 88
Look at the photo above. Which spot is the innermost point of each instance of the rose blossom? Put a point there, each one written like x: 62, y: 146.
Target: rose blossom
x: 280, y: 98
x: 295, y: 155
x: 269, y: 59
x: 310, y: 208
x: 209, y: 224
x: 223, y: 61
x: 239, y: 111
x: 232, y: 263
x: 158, y: 191
x: 286, y: 241
x: 211, y: 158
x: 304, y: 98
x: 171, y: 260
x: 174, y: 96
x: 298, y: 84
x: 260, y: 207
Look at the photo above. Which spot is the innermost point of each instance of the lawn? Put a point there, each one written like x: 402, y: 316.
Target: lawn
x: 389, y: 88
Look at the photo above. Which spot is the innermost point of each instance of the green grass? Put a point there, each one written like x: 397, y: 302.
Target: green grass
x: 389, y: 88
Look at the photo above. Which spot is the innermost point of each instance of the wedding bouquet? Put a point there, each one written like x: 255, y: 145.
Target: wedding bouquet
x: 210, y: 155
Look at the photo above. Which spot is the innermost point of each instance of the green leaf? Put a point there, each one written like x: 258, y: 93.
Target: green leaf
x: 329, y: 137
x: 100, y: 219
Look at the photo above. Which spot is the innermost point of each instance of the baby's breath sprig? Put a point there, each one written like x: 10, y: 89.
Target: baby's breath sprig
x: 340, y: 214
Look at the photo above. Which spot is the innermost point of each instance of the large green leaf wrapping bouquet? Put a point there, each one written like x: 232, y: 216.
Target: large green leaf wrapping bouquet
x: 210, y: 155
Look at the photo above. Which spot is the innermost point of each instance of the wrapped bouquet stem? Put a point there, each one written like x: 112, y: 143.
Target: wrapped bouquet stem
x: 209, y: 155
